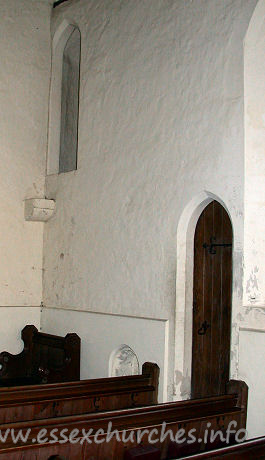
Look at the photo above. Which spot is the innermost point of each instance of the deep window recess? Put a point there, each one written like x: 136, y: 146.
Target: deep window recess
x: 70, y: 103
x: 58, y: 3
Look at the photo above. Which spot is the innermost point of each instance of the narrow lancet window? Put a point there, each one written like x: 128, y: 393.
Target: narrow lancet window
x: 70, y: 103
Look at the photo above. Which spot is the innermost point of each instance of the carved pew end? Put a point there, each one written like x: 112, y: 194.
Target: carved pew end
x: 153, y: 371
x: 143, y: 453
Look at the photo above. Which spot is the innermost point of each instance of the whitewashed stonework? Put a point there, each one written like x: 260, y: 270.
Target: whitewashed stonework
x: 172, y: 115
x: 24, y: 81
x: 161, y: 133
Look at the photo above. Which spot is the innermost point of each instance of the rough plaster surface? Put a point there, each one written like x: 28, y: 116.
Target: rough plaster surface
x: 254, y: 240
x: 252, y: 328
x: 24, y: 86
x: 161, y: 120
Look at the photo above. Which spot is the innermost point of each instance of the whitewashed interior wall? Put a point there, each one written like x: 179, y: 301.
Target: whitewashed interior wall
x: 12, y: 321
x: 24, y: 83
x: 161, y: 124
x: 252, y: 327
x: 101, y: 334
x: 161, y: 130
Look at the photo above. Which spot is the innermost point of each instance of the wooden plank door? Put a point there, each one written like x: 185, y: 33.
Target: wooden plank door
x: 212, y: 292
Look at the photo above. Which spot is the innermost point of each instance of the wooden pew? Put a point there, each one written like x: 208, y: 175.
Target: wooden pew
x: 72, y: 398
x: 175, y: 450
x: 251, y: 449
x: 187, y: 415
x: 45, y: 358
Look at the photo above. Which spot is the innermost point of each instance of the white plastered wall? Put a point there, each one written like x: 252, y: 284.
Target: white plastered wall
x: 101, y: 334
x: 252, y: 327
x: 24, y: 83
x: 161, y: 123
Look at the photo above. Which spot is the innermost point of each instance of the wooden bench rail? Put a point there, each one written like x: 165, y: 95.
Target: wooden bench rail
x: 193, y: 414
x: 108, y: 385
x: 134, y: 417
x: 251, y: 449
x: 44, y: 401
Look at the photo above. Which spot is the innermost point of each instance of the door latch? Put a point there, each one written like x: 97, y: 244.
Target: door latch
x: 203, y: 328
x: 211, y: 247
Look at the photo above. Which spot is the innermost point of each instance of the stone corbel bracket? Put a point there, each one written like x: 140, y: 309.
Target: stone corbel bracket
x: 39, y: 209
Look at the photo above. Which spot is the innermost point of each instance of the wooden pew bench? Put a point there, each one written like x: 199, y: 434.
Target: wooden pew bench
x: 72, y: 398
x: 186, y: 415
x: 45, y: 359
x: 248, y: 450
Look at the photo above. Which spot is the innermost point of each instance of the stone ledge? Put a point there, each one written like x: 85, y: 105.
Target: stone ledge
x: 39, y: 209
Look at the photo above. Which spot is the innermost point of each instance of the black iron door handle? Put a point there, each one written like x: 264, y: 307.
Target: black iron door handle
x: 202, y: 330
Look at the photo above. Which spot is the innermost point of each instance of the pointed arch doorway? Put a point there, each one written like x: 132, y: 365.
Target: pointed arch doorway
x: 212, y: 296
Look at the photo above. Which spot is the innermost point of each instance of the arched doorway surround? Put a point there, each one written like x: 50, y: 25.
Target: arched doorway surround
x: 184, y: 292
x: 212, y: 289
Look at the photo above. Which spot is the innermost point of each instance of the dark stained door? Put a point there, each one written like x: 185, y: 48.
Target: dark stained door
x: 212, y: 290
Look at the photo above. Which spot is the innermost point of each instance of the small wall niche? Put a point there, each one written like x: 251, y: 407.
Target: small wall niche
x: 123, y: 361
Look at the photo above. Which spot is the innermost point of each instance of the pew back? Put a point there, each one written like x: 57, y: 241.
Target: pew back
x: 72, y: 398
x: 251, y: 449
x: 45, y: 359
x: 189, y: 415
